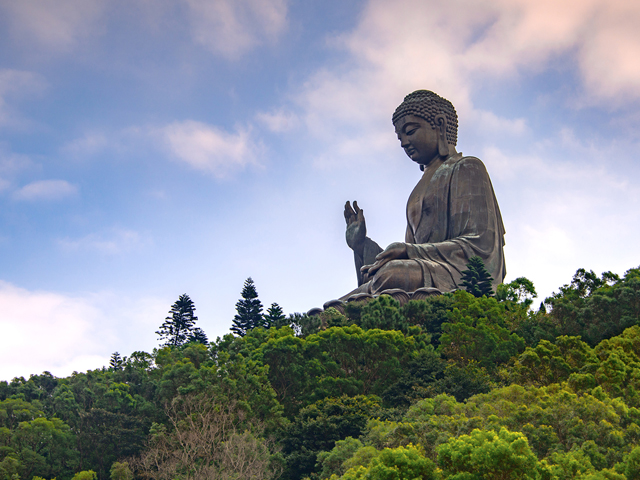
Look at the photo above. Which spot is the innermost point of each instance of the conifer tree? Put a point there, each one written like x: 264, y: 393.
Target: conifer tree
x: 476, y: 279
x: 249, y: 310
x: 274, y: 317
x: 198, y: 336
x: 116, y: 361
x: 178, y: 328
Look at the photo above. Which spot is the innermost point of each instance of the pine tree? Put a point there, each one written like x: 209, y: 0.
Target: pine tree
x: 274, y: 317
x: 249, y: 310
x: 178, y: 328
x: 116, y: 361
x: 198, y: 336
x: 476, y: 279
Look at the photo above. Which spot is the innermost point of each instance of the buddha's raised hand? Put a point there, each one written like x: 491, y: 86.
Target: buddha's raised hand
x: 356, y: 226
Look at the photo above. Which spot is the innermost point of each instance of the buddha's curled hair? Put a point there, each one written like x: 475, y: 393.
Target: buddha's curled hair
x: 426, y: 104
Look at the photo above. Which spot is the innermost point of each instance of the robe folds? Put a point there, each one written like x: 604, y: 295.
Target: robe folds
x: 459, y: 219
x: 452, y: 215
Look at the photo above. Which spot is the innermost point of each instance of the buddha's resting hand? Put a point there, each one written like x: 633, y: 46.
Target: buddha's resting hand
x: 356, y: 227
x: 395, y: 251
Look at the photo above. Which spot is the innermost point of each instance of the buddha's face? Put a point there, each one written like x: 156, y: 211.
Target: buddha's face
x: 418, y: 138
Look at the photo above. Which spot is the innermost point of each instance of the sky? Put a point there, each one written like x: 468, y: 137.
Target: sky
x: 150, y: 148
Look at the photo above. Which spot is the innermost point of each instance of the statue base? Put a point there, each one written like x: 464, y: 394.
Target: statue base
x: 399, y: 295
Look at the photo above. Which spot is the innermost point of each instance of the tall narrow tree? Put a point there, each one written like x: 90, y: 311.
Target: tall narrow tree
x: 274, y: 317
x: 116, y: 361
x: 178, y: 327
x: 249, y: 310
x: 476, y: 279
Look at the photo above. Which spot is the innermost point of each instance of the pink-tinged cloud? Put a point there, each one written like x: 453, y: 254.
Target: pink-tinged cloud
x: 46, y: 190
x: 400, y: 46
x: 61, y: 333
x: 207, y: 148
x: 56, y: 25
x: 232, y: 27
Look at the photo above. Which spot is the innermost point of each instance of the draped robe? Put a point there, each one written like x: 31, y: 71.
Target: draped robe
x: 452, y: 215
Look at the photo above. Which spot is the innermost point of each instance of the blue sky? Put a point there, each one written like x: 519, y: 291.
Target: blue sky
x: 154, y: 148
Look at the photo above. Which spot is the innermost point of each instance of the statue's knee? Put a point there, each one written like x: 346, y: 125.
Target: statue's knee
x: 404, y: 274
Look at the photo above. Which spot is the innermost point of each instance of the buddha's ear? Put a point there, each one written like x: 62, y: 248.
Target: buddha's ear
x: 441, y: 128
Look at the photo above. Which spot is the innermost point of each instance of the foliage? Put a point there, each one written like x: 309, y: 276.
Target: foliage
x: 549, y: 363
x: 249, y: 310
x: 334, y: 362
x: 520, y: 291
x: 85, y: 475
x: 178, y: 328
x: 320, y: 425
x: 333, y: 461
x: 116, y: 361
x: 429, y: 314
x: 208, y: 440
x: 487, y: 454
x: 597, y: 308
x: 485, y: 387
x: 476, y: 279
x: 31, y: 444
x: 121, y: 471
x: 383, y: 313
x: 395, y: 464
x: 198, y: 336
x: 274, y: 317
x: 476, y: 331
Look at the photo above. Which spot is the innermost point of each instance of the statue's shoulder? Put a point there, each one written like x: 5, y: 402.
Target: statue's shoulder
x: 460, y: 161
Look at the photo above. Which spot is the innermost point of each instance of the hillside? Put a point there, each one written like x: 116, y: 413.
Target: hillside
x: 453, y: 387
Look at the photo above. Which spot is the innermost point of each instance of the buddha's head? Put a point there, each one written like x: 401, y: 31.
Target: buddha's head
x: 427, y: 126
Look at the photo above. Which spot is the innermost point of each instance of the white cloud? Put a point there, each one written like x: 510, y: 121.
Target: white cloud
x: 232, y: 27
x: 279, y: 120
x: 400, y: 46
x: 490, y: 122
x: 55, y: 24
x: 610, y: 52
x: 89, y: 144
x: 563, y: 210
x: 46, y: 190
x: 45, y: 331
x: 207, y: 148
x: 118, y: 241
x: 61, y: 333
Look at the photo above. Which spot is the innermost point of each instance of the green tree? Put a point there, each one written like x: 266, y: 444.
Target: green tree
x: 520, y: 291
x: 32, y: 444
x: 476, y: 279
x: 332, y: 462
x: 274, y: 317
x: 249, y: 310
x: 401, y: 463
x: 429, y: 314
x: 549, y: 363
x: 477, y: 331
x: 120, y: 471
x: 116, y: 361
x: 383, y: 313
x: 318, y: 426
x: 596, y: 308
x: 198, y: 336
x: 178, y: 327
x: 488, y: 455
x: 85, y: 475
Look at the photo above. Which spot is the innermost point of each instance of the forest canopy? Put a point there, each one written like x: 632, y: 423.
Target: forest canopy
x: 457, y: 386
